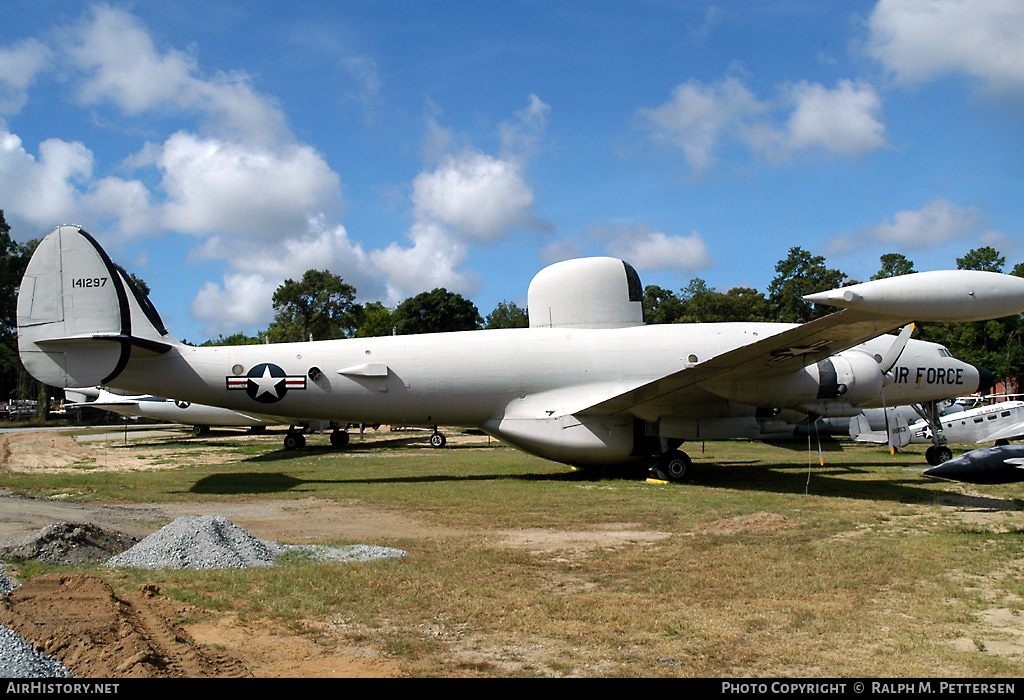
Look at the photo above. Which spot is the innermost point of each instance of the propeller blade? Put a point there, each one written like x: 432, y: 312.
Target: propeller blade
x: 885, y: 412
x: 892, y: 355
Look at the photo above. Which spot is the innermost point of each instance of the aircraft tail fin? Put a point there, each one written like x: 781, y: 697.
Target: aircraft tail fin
x: 80, y: 316
x: 897, y: 435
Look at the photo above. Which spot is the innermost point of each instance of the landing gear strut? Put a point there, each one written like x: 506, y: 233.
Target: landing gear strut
x: 938, y: 452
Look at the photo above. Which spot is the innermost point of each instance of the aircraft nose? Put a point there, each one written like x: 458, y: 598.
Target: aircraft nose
x: 986, y: 380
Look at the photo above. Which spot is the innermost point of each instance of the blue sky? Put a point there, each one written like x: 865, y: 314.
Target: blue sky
x: 218, y: 148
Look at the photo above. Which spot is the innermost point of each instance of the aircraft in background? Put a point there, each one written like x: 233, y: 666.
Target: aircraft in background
x: 587, y: 384
x: 147, y: 406
x: 998, y: 423
x: 200, y: 417
x: 1003, y: 464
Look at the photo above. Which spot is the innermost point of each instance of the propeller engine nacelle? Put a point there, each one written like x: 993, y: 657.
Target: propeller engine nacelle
x: 849, y: 378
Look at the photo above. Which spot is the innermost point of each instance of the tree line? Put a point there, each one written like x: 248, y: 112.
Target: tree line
x: 996, y: 345
x: 322, y: 306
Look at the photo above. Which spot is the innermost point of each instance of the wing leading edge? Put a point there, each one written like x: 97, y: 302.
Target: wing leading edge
x: 776, y: 355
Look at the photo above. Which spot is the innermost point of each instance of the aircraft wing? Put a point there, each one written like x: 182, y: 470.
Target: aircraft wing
x: 102, y: 404
x: 1008, y: 433
x: 777, y: 354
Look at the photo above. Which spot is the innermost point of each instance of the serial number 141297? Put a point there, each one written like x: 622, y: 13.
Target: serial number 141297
x: 89, y: 282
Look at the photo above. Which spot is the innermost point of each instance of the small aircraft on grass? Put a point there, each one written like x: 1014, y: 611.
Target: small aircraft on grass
x: 587, y: 384
x: 148, y: 406
x: 998, y: 423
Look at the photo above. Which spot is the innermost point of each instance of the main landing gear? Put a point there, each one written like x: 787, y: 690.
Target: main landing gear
x: 674, y: 465
x: 437, y: 440
x: 937, y: 454
x: 294, y: 440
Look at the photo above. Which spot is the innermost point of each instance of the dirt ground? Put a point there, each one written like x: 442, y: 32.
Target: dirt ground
x: 95, y: 633
x: 80, y: 621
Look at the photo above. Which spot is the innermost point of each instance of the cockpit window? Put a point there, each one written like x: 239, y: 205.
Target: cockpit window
x: 943, y: 352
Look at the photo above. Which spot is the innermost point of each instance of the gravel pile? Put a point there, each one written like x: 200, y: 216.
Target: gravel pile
x: 214, y: 542
x: 69, y: 543
x: 6, y: 584
x: 19, y: 660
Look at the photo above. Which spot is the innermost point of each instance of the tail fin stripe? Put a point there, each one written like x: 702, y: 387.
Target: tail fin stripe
x: 122, y: 303
x: 115, y: 276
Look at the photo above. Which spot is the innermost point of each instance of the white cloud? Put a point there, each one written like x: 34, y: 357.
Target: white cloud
x: 469, y: 197
x: 245, y: 299
x: 19, y: 67
x: 122, y: 65
x: 645, y: 249
x: 702, y: 119
x: 698, y: 117
x: 842, y: 120
x: 934, y: 224
x: 43, y: 191
x: 556, y: 251
x: 322, y: 246
x: 243, y: 302
x: 240, y: 182
x: 480, y: 196
x: 257, y: 193
x: 364, y: 71
x: 919, y: 40
x: 125, y: 204
x: 521, y: 136
x: 431, y: 262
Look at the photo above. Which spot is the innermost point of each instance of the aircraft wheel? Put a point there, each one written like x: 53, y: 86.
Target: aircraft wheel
x: 293, y: 441
x: 942, y: 454
x: 339, y: 438
x: 438, y: 440
x: 198, y: 430
x: 677, y: 466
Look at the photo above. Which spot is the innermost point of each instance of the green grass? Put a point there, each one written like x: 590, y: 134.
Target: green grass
x: 874, y: 571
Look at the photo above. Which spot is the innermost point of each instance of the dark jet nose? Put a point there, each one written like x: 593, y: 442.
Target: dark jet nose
x: 988, y: 465
x: 986, y: 380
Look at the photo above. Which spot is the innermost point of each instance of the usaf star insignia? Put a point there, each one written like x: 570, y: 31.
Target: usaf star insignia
x: 786, y: 353
x: 266, y: 382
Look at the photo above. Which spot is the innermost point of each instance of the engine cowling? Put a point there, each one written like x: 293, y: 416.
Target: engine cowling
x: 857, y: 378
x: 851, y: 377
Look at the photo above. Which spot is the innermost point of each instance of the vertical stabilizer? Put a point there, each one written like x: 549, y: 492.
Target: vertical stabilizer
x: 79, y: 316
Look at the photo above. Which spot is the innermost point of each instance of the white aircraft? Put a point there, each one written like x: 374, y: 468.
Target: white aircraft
x: 998, y: 423
x: 176, y: 411
x: 587, y: 384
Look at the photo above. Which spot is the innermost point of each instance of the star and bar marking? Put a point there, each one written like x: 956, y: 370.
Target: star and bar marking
x: 266, y: 382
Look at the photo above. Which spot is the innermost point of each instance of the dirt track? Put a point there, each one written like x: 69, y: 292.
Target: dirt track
x: 79, y: 619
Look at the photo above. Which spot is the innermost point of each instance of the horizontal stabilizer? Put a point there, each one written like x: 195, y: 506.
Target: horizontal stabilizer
x: 898, y: 434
